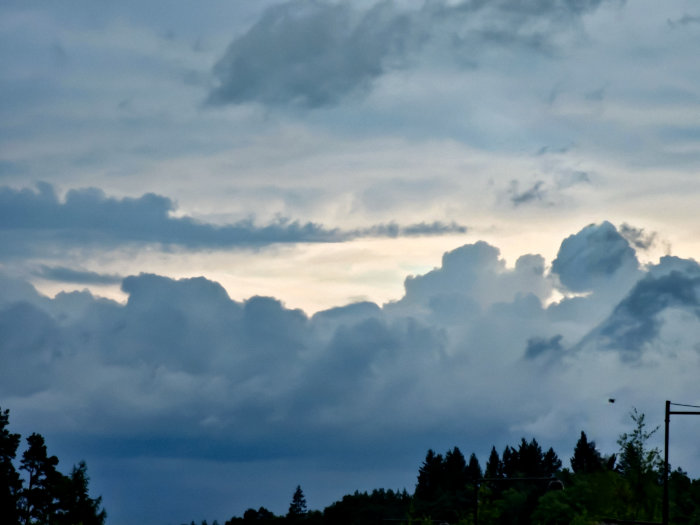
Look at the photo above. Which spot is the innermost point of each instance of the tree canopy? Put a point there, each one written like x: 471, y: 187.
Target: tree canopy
x: 43, y: 495
x: 525, y: 484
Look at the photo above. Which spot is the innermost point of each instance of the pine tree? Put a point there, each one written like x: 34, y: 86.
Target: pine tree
x: 39, y: 498
x: 551, y: 464
x: 494, y: 466
x: 75, y: 504
x: 430, y: 476
x: 454, y: 478
x: 473, y: 468
x: 586, y: 458
x: 509, y: 460
x: 297, y: 508
x: 10, y: 482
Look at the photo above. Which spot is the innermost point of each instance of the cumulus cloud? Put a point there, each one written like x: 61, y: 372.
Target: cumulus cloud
x: 471, y: 354
x: 317, y: 53
x: 593, y: 257
x: 474, y: 274
x: 36, y: 220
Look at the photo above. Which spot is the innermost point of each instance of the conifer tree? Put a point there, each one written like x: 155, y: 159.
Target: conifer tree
x: 473, y: 468
x: 75, y: 504
x: 297, y: 508
x: 10, y: 482
x: 586, y: 458
x: 454, y: 478
x: 430, y: 476
x: 39, y: 498
x: 494, y: 467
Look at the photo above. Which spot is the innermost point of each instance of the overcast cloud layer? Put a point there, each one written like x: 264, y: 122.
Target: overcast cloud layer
x: 221, y: 230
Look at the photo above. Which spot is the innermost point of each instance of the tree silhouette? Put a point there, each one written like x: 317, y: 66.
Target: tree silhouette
x: 429, y: 476
x: 75, y: 504
x: 39, y: 498
x: 641, y: 468
x: 10, y: 482
x: 586, y: 458
x: 494, y: 466
x: 473, y: 468
x: 297, y: 508
x: 361, y: 508
x: 50, y: 498
x: 454, y: 478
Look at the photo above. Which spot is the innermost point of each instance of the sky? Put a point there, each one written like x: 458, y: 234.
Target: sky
x: 251, y: 245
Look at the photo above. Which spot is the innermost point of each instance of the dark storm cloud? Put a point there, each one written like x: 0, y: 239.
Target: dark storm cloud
x: 29, y: 345
x: 316, y: 53
x: 32, y: 221
x: 181, y: 371
x: 592, y: 257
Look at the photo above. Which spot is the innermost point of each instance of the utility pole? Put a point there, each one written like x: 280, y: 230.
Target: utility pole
x: 667, y: 421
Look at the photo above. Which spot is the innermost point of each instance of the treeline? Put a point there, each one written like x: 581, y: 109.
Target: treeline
x: 42, y: 495
x: 523, y: 485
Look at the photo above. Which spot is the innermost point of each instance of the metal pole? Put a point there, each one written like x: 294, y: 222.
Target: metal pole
x: 667, y: 420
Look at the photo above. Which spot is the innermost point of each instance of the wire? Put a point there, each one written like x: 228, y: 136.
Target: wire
x: 682, y: 405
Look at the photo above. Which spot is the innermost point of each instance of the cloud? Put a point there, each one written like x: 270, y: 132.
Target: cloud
x: 28, y: 348
x: 636, y: 321
x: 70, y: 275
x: 637, y: 236
x: 537, y: 346
x: 535, y: 193
x: 685, y: 20
x: 592, y: 257
x: 568, y: 178
x: 182, y: 373
x: 474, y: 275
x: 413, y: 230
x: 315, y: 53
x: 34, y: 220
x: 309, y: 53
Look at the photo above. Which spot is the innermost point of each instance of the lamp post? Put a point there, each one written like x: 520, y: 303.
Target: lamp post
x: 667, y: 421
